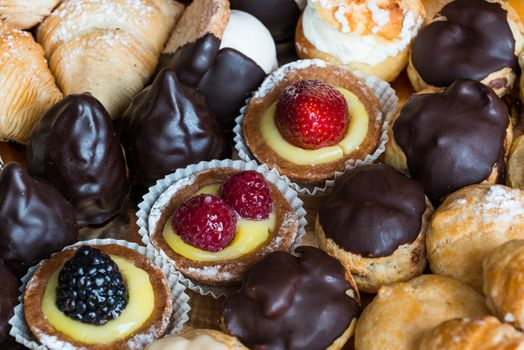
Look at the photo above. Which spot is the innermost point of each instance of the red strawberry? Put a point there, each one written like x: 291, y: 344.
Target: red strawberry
x: 310, y: 114
x: 248, y: 193
x: 205, y: 222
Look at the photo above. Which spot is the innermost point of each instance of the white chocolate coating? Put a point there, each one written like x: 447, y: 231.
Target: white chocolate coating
x: 202, y: 342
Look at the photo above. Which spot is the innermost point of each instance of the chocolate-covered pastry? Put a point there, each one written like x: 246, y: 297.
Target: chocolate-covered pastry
x: 8, y: 300
x: 292, y: 302
x: 168, y: 126
x: 469, y: 39
x: 36, y: 220
x: 451, y: 139
x: 75, y: 148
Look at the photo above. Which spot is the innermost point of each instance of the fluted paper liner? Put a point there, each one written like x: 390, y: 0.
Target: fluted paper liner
x: 388, y: 105
x: 150, y: 208
x: 22, y: 334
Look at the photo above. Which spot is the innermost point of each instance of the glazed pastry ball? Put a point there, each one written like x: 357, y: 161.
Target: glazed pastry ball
x: 402, y: 313
x: 469, y: 225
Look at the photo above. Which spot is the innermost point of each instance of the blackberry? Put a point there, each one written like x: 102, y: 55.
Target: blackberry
x: 91, y: 288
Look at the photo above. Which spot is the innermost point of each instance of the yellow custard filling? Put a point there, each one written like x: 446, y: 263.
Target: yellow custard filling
x: 356, y: 134
x: 249, y: 236
x: 141, y: 302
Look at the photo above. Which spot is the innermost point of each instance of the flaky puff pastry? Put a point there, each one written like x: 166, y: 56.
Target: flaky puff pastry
x: 469, y: 225
x: 197, y: 339
x: 24, y: 14
x: 504, y: 282
x: 27, y: 87
x: 483, y: 333
x: 402, y: 313
x: 109, y: 48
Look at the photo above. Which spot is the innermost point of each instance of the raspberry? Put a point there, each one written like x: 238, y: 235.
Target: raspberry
x: 249, y: 194
x: 205, y: 222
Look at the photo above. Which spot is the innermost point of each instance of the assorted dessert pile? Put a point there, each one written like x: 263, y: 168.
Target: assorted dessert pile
x: 142, y: 109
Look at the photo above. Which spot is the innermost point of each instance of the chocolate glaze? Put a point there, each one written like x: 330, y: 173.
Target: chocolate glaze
x: 75, y: 148
x: 373, y: 210
x: 292, y: 303
x: 168, y: 126
x: 454, y: 138
x: 475, y: 41
x: 279, y: 16
x: 36, y: 220
x: 8, y: 300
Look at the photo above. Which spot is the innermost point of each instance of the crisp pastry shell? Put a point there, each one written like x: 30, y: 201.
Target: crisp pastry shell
x: 24, y: 14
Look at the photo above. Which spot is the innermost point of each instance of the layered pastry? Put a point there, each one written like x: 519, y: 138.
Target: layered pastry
x: 481, y: 333
x: 168, y: 126
x: 309, y: 118
x: 305, y: 301
x: 216, y: 223
x: 402, y: 313
x: 371, y: 36
x: 27, y: 87
x: 8, y: 301
x: 224, y: 54
x: 75, y: 148
x: 503, y: 274
x: 197, y: 339
x: 469, y: 39
x: 97, y: 297
x: 375, y: 223
x: 23, y: 14
x: 36, y: 220
x: 109, y: 48
x: 448, y: 139
x: 469, y: 225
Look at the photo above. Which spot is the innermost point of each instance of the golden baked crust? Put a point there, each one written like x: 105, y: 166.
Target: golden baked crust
x: 225, y: 273
x: 25, y: 14
x: 27, y: 86
x: 483, y: 333
x: 469, y: 225
x: 310, y: 174
x: 154, y: 327
x: 406, y: 262
x: 500, y: 81
x: 504, y: 282
x: 231, y: 342
x: 402, y: 313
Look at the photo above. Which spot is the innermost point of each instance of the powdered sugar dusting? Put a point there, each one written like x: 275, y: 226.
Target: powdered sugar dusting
x: 503, y: 203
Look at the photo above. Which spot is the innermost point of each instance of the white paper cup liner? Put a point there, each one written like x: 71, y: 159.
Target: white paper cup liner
x: 20, y: 330
x: 388, y: 105
x: 160, y: 195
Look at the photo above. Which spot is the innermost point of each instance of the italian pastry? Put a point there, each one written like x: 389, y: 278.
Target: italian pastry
x: 224, y: 54
x: 97, y: 297
x: 109, y: 48
x: 197, y: 339
x: 23, y: 14
x: 370, y: 36
x: 382, y: 241
x: 402, y: 313
x: 515, y: 166
x: 75, y: 148
x: 8, y: 301
x: 305, y: 301
x: 448, y: 139
x: 309, y: 118
x: 469, y: 225
x: 36, y: 220
x: 469, y: 39
x: 168, y: 126
x: 481, y: 333
x: 216, y: 223
x: 503, y: 282
x: 27, y: 86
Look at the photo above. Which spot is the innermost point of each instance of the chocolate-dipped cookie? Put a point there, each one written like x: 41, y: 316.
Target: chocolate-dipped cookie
x: 302, y: 302
x: 168, y: 126
x: 36, y: 220
x: 469, y: 39
x: 224, y: 54
x: 375, y: 223
x: 448, y: 139
x: 75, y: 148
x: 8, y: 301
